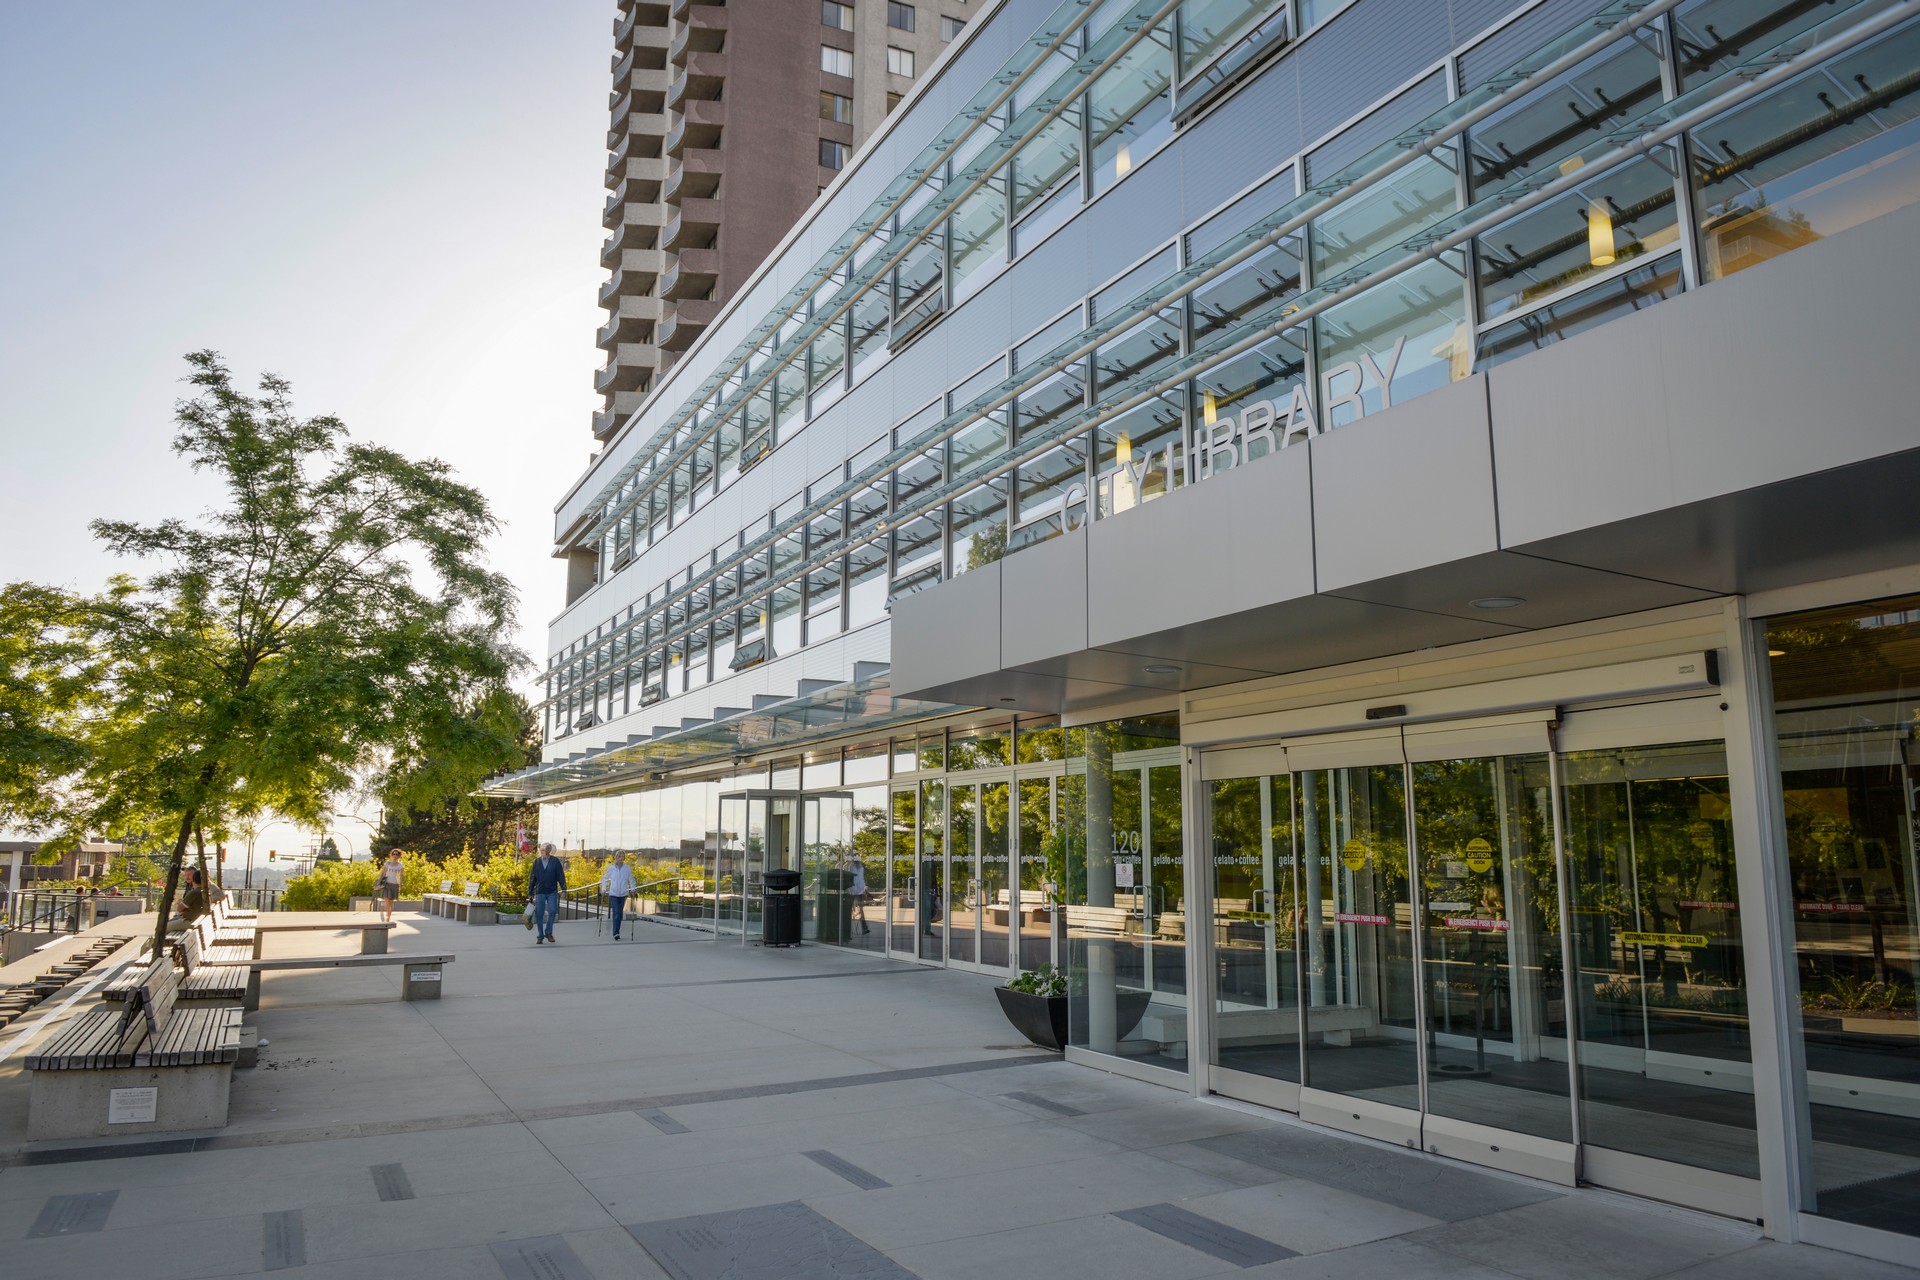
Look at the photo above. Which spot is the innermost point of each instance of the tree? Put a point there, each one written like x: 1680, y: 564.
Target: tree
x: 326, y: 625
x: 46, y: 681
x: 440, y: 818
x: 329, y: 851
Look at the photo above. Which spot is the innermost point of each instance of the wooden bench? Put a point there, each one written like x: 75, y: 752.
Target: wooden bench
x: 228, y: 928
x: 212, y: 950
x: 200, y: 979
x: 1033, y: 907
x: 141, y: 1066
x: 468, y: 906
x: 419, y: 975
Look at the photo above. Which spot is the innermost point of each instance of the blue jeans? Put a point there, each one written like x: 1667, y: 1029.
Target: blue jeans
x: 545, y: 907
x: 619, y: 902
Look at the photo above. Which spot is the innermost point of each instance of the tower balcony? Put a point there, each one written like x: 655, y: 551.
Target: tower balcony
x: 690, y: 275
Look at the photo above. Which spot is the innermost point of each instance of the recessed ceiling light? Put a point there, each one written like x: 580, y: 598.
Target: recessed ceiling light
x: 1497, y: 602
x: 1162, y: 669
x: 1006, y: 699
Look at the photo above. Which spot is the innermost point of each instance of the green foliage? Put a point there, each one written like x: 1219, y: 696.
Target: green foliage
x: 331, y: 625
x: 47, y: 678
x: 454, y: 822
x: 329, y: 886
x: 1845, y: 993
x: 1043, y: 981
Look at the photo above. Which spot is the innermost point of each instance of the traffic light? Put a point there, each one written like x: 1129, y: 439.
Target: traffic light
x: 271, y: 855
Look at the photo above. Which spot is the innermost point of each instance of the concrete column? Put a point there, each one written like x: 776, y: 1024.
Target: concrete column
x: 1102, y: 963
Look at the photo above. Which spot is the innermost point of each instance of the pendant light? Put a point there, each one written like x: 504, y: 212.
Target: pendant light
x: 1600, y: 250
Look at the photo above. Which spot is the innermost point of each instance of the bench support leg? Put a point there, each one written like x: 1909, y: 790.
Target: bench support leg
x: 373, y: 942
x: 74, y: 1104
x: 420, y: 981
x: 252, y: 1000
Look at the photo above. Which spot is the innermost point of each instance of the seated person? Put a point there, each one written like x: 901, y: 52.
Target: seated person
x: 193, y: 899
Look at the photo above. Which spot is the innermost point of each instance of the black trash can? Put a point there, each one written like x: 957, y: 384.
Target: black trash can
x: 780, y: 909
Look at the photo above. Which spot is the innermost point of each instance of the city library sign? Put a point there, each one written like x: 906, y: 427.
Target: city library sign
x: 1221, y: 442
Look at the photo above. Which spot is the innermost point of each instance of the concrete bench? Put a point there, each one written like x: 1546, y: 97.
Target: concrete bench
x: 419, y: 975
x: 468, y: 906
x: 142, y: 1066
x: 373, y: 933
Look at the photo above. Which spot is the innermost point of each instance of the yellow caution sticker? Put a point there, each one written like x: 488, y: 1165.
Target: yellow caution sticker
x: 1354, y: 854
x: 1479, y: 855
x: 1664, y: 939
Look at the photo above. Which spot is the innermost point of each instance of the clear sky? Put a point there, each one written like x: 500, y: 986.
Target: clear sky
x: 393, y: 203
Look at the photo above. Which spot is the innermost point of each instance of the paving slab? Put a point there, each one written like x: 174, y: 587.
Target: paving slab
x: 1437, y: 1188
x: 1560, y: 1239
x: 1099, y: 1245
x: 593, y: 1110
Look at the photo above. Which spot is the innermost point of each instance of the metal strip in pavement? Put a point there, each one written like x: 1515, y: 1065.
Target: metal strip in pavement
x: 1183, y: 1226
x: 390, y: 1180
x: 283, y: 1241
x: 73, y: 1215
x: 765, y: 1242
x: 662, y: 1121
x: 539, y: 1258
x: 847, y: 1169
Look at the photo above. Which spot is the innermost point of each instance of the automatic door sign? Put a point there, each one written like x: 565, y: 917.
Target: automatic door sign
x: 1356, y: 917
x: 1479, y: 855
x: 1664, y: 939
x: 1475, y: 922
x: 1354, y: 854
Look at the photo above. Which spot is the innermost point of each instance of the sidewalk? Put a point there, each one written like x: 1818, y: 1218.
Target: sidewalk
x: 671, y: 1107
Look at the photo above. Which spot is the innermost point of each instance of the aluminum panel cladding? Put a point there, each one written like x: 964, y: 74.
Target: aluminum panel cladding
x: 1407, y: 109
x: 1363, y: 54
x: 1518, y: 38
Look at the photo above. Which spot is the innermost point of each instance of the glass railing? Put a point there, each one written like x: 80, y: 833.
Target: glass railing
x: 653, y: 462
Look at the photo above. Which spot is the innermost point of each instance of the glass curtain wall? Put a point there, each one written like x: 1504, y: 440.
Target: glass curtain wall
x: 1846, y: 688
x: 1823, y: 152
x: 1389, y: 927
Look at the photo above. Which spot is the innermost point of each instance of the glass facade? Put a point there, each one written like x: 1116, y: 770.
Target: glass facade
x: 1537, y: 944
x: 1846, y: 688
x: 1150, y: 391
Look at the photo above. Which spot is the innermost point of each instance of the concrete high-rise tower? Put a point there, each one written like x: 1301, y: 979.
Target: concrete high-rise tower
x: 728, y: 119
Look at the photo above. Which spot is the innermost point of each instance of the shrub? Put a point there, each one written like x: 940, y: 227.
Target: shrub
x: 1044, y: 981
x: 328, y: 886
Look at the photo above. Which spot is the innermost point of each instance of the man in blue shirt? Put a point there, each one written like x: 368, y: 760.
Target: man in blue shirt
x: 544, y: 883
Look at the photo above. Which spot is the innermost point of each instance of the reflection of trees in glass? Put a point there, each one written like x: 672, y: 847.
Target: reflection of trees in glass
x: 1843, y: 684
x: 1650, y: 843
x: 1035, y: 745
x: 982, y: 750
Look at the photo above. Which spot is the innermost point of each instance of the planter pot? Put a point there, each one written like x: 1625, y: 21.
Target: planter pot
x: 1041, y: 1019
x: 1128, y: 1008
x: 1045, y: 1019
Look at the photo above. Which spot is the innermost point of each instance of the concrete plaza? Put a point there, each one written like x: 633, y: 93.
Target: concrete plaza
x: 669, y: 1106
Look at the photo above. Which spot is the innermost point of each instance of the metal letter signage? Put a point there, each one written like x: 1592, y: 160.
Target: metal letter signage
x: 1262, y: 427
